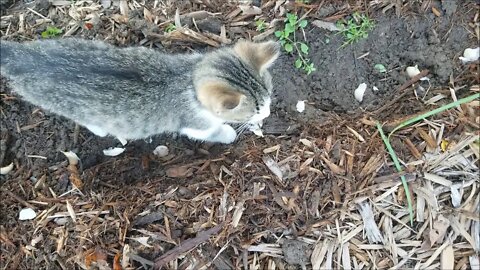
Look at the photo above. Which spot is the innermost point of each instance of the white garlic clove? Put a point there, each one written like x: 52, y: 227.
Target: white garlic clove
x: 27, y: 214
x: 412, y: 71
x: 72, y: 157
x: 470, y: 55
x: 113, y: 151
x: 161, y: 151
x: 360, y: 91
x: 300, y: 106
x: 6, y: 169
x: 122, y: 141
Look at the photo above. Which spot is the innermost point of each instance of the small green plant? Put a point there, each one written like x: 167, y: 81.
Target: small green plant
x: 289, y: 42
x: 51, y: 32
x: 355, y: 28
x: 170, y: 28
x: 261, y: 25
x: 380, y: 68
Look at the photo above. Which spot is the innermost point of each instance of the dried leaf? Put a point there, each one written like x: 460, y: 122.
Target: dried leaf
x: 250, y: 10
x: 371, y: 229
x: 125, y: 256
x: 106, y: 3
x: 148, y: 15
x: 333, y: 167
x: 444, y: 145
x: 88, y: 25
x: 74, y: 176
x: 273, y: 167
x: 274, y: 148
x: 237, y: 214
x: 116, y: 262
x: 427, y: 138
x: 359, y: 137
x: 95, y: 256
x: 142, y: 240
x: 124, y: 8
x: 440, y: 226
x: 306, y: 142
x: 179, y: 172
x: 71, y: 212
x: 120, y: 18
x: 326, y: 25
x: 447, y: 258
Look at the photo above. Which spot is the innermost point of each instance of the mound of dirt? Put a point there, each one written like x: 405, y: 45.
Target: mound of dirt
x: 429, y: 42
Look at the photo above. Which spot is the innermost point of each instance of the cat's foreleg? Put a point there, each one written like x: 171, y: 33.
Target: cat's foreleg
x: 221, y: 134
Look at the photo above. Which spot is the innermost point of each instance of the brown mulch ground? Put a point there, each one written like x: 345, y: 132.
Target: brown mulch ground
x: 326, y: 195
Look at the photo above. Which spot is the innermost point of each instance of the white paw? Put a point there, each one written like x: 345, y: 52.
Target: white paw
x: 227, y: 135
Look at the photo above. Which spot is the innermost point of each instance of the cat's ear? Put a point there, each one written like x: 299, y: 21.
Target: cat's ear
x: 260, y: 55
x: 218, y: 97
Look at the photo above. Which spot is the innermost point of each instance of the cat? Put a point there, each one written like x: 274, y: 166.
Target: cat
x: 136, y: 92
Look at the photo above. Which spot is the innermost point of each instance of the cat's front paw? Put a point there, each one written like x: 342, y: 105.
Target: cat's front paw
x: 226, y: 135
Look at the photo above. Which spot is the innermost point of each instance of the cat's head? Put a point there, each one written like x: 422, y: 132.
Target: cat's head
x: 234, y: 83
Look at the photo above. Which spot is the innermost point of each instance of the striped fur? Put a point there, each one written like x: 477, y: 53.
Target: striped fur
x: 136, y: 92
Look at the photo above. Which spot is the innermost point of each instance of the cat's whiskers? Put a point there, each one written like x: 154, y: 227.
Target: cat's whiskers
x: 242, y: 128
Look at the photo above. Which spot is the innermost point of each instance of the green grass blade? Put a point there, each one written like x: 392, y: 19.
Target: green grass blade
x: 415, y: 119
x: 386, y: 141
x: 437, y: 110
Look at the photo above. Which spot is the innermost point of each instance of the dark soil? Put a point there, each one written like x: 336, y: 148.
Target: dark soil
x: 427, y: 41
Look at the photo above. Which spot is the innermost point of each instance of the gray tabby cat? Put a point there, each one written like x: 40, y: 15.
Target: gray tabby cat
x: 136, y: 92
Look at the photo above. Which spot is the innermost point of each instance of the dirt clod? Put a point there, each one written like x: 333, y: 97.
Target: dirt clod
x: 296, y: 252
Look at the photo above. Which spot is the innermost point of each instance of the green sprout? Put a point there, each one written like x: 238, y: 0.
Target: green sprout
x: 380, y: 68
x: 356, y: 28
x: 290, y: 43
x: 261, y: 25
x: 170, y: 28
x: 51, y: 32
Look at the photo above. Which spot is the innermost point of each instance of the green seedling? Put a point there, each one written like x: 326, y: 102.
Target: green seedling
x: 51, y: 32
x: 170, y: 28
x: 290, y: 43
x: 356, y: 28
x: 261, y: 25
x: 380, y: 68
